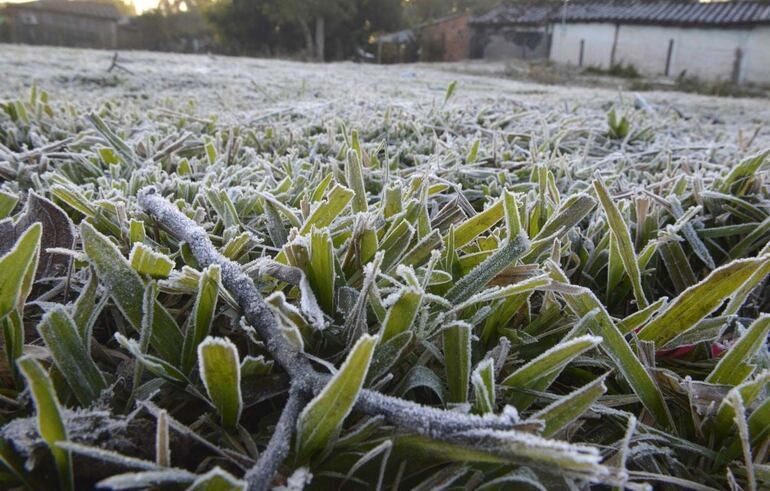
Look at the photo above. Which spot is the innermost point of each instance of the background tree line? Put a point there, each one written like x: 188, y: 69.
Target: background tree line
x: 321, y: 29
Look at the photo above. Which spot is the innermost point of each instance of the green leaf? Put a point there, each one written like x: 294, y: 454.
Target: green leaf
x: 742, y: 293
x: 148, y: 479
x: 322, y: 418
x: 450, y: 90
x: 223, y: 206
x: 328, y: 209
x: 473, y: 152
x: 700, y: 300
x: 217, y: 480
x: 321, y: 272
x: 550, y: 362
x: 512, y: 219
x: 388, y: 353
x: 117, y: 143
x: 584, y: 304
x: 395, y: 242
x: 85, y: 309
x: 401, y: 313
x: 220, y: 370
x: 154, y: 364
x: 731, y: 369
x: 478, y: 224
x: 354, y: 174
x: 622, y: 235
x: 18, y: 268
x: 498, y: 293
x: 745, y: 169
x: 211, y: 153
x: 237, y: 246
x: 638, y: 318
x: 392, y: 202
x: 68, y: 351
x: 507, y: 447
x: 482, y: 274
x: 483, y: 381
x: 127, y: 290
x: 570, y: 213
x: 570, y: 407
x: 13, y: 337
x: 202, y: 315
x: 457, y: 359
x: 8, y: 202
x: 50, y: 423
x: 150, y: 263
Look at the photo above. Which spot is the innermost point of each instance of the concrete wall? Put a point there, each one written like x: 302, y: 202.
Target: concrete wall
x: 34, y: 26
x: 757, y: 58
x: 597, y: 39
x: 503, y: 43
x: 708, y: 53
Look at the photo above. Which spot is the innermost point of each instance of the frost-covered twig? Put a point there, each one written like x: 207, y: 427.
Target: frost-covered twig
x: 260, y: 476
x: 254, y: 308
x: 434, y: 423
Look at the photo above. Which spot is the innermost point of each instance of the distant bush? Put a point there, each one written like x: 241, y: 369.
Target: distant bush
x: 622, y: 70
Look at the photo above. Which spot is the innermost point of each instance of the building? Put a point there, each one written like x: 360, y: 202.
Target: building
x: 512, y: 31
x: 64, y: 23
x: 712, y: 41
x: 444, y: 39
x: 397, y: 47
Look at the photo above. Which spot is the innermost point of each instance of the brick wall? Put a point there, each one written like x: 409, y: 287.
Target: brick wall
x: 446, y: 40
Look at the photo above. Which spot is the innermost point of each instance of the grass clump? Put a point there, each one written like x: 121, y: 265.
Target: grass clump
x: 436, y: 298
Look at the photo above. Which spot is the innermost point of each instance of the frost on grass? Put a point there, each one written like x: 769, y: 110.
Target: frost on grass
x: 341, y: 202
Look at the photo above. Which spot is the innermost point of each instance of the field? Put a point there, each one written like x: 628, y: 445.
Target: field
x: 228, y: 273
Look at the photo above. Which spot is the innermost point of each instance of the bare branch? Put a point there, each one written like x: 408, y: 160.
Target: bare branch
x: 260, y: 476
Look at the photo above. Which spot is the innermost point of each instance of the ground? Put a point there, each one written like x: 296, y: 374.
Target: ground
x: 248, y: 90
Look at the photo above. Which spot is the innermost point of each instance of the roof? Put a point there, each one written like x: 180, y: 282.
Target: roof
x: 515, y: 14
x: 671, y: 12
x: 82, y: 8
x: 713, y: 13
x: 399, y: 37
x: 410, y: 35
x: 441, y: 20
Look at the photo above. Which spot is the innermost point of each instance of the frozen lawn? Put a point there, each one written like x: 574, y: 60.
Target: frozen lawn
x: 247, y: 90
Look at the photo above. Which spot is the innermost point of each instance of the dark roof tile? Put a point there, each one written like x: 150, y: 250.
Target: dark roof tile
x: 84, y: 8
x: 671, y: 12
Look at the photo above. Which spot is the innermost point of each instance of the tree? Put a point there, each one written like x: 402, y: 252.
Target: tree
x: 309, y: 14
x: 242, y: 27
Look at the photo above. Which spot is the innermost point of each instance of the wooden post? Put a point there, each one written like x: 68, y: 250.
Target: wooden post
x: 669, y: 55
x: 614, y: 45
x: 737, y: 65
x: 582, y: 51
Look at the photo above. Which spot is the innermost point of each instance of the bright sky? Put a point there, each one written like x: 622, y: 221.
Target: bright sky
x: 141, y: 5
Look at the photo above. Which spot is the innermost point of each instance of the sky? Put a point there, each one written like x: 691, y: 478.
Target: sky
x: 142, y: 5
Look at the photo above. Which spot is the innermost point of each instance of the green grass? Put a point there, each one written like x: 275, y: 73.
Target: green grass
x: 410, y: 298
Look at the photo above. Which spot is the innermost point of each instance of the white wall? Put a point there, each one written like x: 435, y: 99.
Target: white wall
x: 707, y: 53
x: 597, y: 37
x: 757, y: 59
